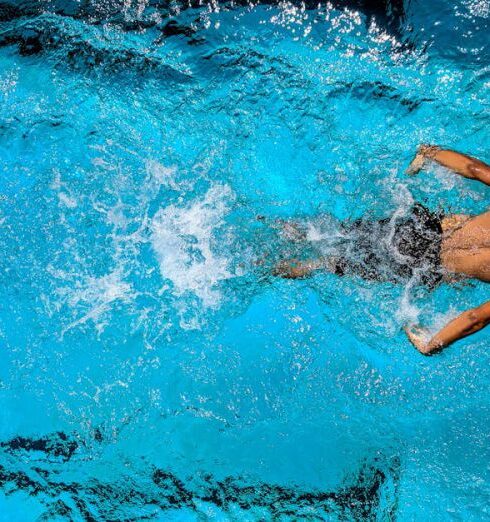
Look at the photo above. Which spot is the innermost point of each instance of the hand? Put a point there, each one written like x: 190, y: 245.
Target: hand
x: 424, y: 152
x: 416, y: 165
x: 419, y: 337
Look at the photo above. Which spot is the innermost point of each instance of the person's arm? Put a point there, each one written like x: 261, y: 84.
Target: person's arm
x: 463, y: 165
x: 467, y: 323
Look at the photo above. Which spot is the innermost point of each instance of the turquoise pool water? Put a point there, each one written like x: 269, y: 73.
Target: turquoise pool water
x: 152, y: 368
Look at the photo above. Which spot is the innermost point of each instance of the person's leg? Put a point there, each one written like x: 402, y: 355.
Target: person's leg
x: 289, y: 230
x: 461, y: 164
x: 294, y: 269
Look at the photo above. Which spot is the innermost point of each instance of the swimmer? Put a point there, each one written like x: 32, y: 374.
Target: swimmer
x: 421, y: 246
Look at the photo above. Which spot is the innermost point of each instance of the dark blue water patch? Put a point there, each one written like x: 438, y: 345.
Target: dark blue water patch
x: 390, y: 13
x: 64, y: 40
x: 55, y: 445
x: 413, y: 23
x: 364, y: 90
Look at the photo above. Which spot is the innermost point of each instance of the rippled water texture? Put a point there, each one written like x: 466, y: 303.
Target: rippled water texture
x: 151, y: 366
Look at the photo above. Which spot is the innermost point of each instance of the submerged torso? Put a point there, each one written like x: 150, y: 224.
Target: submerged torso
x: 405, y: 247
x: 465, y: 248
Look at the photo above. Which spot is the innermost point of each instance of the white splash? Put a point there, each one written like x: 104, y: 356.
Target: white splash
x: 65, y: 197
x: 182, y: 238
x: 479, y: 8
x: 407, y: 310
x: 159, y: 175
x: 96, y: 295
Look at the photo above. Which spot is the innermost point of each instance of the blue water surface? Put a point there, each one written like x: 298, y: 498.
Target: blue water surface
x: 152, y: 368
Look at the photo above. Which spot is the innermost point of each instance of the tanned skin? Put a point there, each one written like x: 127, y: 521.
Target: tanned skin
x: 465, y: 252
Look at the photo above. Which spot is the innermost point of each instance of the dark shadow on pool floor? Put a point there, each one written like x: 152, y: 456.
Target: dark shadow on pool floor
x: 147, y: 493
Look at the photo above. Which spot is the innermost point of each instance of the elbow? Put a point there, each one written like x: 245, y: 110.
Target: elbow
x: 473, y: 171
x: 475, y: 320
x: 480, y: 171
x: 473, y: 317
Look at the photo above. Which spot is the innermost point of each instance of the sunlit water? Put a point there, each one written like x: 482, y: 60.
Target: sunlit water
x: 152, y: 368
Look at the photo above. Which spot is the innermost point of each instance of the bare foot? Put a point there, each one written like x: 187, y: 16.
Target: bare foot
x: 419, y: 337
x: 292, y: 232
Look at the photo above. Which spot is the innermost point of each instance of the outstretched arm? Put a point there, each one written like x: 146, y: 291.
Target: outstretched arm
x: 467, y: 323
x: 466, y: 166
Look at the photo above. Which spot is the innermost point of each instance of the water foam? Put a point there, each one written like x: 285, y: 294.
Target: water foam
x: 183, y: 239
x: 96, y: 296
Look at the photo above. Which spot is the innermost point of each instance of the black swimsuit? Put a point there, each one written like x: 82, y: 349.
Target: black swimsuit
x: 397, y: 249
